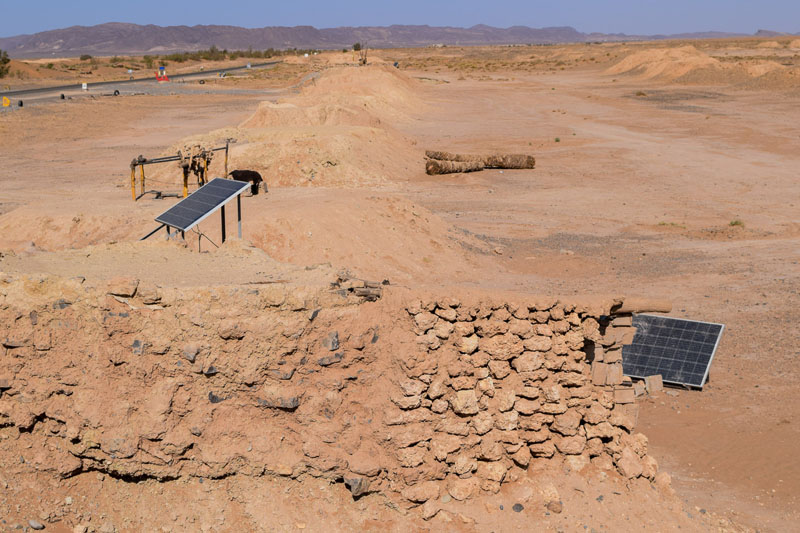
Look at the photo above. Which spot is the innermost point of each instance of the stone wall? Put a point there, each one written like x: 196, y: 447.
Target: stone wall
x: 499, y: 384
x: 403, y: 397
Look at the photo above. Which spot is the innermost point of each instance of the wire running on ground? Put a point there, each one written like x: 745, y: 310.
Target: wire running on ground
x: 201, y: 234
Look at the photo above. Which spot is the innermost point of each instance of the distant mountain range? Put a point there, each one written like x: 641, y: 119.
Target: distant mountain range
x: 122, y: 38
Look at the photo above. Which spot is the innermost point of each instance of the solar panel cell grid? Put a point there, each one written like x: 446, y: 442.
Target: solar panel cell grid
x: 680, y: 350
x: 193, y: 209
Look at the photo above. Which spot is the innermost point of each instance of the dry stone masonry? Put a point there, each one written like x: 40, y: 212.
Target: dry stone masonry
x: 497, y: 385
x: 401, y: 396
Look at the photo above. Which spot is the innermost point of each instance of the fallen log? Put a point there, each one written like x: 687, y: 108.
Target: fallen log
x: 447, y: 156
x: 510, y: 161
x: 447, y: 163
x: 434, y: 167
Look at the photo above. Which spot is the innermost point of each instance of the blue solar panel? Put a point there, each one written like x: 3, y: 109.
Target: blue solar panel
x: 680, y: 350
x: 193, y: 209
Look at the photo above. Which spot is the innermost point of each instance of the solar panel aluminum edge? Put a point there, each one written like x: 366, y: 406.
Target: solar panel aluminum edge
x: 202, y: 203
x: 680, y: 350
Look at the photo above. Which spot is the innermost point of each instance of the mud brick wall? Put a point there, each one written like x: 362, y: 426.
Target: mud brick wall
x: 500, y: 384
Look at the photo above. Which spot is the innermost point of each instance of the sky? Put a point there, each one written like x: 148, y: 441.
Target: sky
x: 646, y: 17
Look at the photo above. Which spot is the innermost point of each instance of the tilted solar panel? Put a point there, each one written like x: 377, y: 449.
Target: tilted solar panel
x: 680, y: 350
x: 193, y: 209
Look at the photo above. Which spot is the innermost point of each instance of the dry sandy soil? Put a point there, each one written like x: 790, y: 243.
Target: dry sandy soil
x: 663, y: 170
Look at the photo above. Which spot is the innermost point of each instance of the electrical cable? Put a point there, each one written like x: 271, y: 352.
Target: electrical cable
x: 201, y: 234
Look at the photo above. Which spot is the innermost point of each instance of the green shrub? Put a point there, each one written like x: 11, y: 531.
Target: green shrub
x: 4, y: 61
x: 85, y: 57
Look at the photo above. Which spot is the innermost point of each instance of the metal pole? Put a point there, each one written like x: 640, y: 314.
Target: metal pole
x: 223, y: 223
x: 185, y: 182
x: 169, y: 233
x: 205, y: 170
x: 239, y: 213
x: 133, y: 182
x: 142, y: 180
x: 226, y: 158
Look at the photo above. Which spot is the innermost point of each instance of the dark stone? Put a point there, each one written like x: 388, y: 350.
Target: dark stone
x: 35, y: 525
x: 555, y: 507
x: 517, y: 508
x: 358, y: 486
x: 61, y: 303
x: 501, y: 507
x: 137, y: 347
x: 11, y: 343
x: 374, y: 338
x: 331, y: 342
x: 210, y: 371
x: 284, y: 373
x: 600, y: 498
x: 286, y: 403
x: 34, y: 316
x: 313, y: 315
x: 213, y: 398
x: 329, y: 360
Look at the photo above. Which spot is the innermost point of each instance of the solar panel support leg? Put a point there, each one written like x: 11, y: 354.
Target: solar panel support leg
x: 239, y: 213
x: 222, y: 214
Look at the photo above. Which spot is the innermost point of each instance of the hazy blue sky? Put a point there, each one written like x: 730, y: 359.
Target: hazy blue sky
x: 607, y: 16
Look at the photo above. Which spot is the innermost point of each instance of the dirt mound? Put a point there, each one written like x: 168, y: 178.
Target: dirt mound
x: 769, y: 44
x: 380, y: 88
x: 274, y: 115
x: 334, y: 133
x: 337, y: 132
x: 664, y: 63
x: 795, y: 44
x: 763, y: 67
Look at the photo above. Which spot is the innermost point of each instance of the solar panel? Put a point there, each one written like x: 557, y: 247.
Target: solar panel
x: 680, y: 350
x: 194, y: 208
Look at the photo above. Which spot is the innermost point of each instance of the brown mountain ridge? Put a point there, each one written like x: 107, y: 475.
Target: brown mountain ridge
x: 123, y: 38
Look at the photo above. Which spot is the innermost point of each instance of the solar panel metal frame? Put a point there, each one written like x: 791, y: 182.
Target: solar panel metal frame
x: 666, y: 378
x: 205, y: 197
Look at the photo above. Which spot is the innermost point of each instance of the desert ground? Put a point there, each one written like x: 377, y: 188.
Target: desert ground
x: 663, y: 170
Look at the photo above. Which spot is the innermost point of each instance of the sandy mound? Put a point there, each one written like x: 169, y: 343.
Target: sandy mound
x: 795, y: 44
x: 664, y: 64
x: 763, y: 67
x: 291, y: 115
x: 336, y: 132
x: 769, y: 44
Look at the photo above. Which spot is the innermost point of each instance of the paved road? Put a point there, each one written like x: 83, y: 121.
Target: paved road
x: 42, y: 91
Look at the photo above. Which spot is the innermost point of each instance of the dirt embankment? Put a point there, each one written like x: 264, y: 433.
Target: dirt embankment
x: 688, y: 65
x: 421, y: 402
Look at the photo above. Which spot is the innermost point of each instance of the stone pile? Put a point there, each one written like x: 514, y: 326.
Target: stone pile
x: 497, y: 385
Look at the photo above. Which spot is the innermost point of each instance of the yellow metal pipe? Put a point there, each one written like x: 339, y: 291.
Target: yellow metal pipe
x: 226, y: 159
x: 142, y: 179
x: 185, y: 182
x: 205, y: 170
x: 133, y: 182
